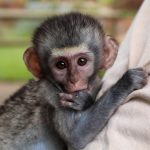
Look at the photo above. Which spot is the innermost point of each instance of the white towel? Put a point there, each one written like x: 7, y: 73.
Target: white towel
x: 129, y: 127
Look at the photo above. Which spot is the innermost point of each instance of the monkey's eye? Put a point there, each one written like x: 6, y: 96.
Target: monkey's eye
x: 82, y: 61
x: 61, y: 64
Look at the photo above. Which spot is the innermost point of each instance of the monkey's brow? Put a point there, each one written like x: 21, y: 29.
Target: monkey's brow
x: 60, y: 54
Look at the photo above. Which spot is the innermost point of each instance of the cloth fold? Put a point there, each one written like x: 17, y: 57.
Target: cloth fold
x: 129, y: 127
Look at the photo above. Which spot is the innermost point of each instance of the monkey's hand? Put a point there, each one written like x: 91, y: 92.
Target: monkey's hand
x: 80, y: 100
x: 137, y: 78
x: 132, y: 80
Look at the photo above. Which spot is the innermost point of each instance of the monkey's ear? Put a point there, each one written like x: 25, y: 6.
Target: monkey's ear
x: 31, y: 60
x: 110, y: 51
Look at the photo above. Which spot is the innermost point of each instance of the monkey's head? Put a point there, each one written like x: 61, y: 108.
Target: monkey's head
x: 70, y: 50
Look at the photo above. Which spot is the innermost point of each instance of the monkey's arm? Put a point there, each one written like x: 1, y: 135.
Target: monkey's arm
x: 84, y: 126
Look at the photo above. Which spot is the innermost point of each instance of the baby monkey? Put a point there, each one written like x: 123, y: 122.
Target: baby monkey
x: 59, y: 111
x: 69, y: 51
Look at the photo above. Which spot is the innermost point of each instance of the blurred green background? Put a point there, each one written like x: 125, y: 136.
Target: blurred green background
x: 19, y: 18
x: 11, y: 63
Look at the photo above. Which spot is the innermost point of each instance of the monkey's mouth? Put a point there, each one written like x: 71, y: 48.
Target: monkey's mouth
x: 71, y: 88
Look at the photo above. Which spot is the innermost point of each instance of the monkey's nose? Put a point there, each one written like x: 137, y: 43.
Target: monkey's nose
x: 73, y: 79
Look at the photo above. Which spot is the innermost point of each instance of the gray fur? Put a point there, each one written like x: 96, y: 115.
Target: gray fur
x: 31, y: 117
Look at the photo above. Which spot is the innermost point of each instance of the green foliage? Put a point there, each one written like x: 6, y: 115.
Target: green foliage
x: 12, y: 66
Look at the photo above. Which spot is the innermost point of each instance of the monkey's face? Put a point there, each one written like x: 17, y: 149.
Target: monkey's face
x: 72, y: 67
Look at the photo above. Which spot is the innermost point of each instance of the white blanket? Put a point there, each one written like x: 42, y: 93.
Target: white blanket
x: 129, y: 127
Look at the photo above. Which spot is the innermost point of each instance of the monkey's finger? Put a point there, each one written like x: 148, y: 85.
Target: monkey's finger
x: 66, y: 96
x: 66, y: 103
